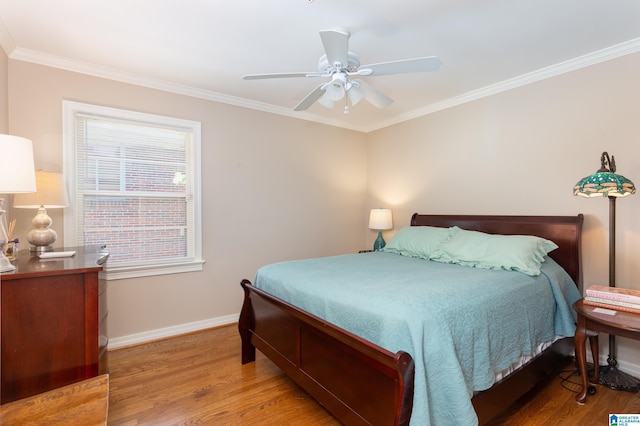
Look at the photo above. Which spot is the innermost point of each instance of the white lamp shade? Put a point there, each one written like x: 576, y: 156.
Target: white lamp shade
x: 16, y: 165
x: 325, y: 101
x: 50, y: 193
x: 355, y: 95
x: 380, y: 219
x: 335, y: 91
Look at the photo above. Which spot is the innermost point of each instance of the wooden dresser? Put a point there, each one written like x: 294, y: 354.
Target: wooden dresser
x: 53, y: 322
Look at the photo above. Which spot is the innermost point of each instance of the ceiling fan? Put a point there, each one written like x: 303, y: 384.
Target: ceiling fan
x: 340, y: 65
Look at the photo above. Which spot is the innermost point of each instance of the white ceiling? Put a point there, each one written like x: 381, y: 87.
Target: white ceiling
x: 203, y: 47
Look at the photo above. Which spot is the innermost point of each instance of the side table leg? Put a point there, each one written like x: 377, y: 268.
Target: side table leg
x: 595, y: 354
x: 581, y: 357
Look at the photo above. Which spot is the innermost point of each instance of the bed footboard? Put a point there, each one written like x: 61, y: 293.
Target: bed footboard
x: 327, y: 361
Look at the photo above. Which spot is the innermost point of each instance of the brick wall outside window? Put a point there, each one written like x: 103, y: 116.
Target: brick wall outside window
x: 136, y: 185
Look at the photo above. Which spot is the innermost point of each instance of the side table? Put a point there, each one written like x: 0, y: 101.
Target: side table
x: 590, y: 323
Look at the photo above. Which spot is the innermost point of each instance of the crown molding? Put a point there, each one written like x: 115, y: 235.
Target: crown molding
x: 17, y: 53
x: 612, y: 52
x: 53, y: 61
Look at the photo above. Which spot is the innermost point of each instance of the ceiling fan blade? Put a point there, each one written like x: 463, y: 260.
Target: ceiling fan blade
x: 373, y: 95
x: 311, y: 98
x: 336, y: 46
x: 429, y: 63
x: 282, y: 75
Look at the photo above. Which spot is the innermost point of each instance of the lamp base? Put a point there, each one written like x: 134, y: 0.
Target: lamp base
x: 41, y: 237
x: 41, y: 249
x: 379, y: 243
x: 611, y: 377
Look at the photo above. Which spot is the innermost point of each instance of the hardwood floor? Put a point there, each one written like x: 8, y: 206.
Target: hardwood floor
x: 198, y: 379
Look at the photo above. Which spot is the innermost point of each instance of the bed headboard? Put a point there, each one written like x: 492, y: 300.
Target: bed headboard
x: 565, y: 231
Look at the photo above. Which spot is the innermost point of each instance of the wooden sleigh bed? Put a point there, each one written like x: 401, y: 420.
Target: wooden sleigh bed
x: 362, y: 383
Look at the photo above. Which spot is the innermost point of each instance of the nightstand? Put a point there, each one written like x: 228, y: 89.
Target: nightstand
x: 590, y: 323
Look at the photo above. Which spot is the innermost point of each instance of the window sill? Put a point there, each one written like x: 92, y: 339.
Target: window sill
x: 124, y: 272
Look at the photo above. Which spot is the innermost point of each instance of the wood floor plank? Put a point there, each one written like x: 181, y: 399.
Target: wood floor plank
x: 82, y: 403
x: 198, y: 379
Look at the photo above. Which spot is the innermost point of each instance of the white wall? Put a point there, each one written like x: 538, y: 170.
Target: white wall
x: 521, y: 152
x: 274, y: 188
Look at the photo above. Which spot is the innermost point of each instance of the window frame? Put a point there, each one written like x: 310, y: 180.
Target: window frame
x: 170, y: 266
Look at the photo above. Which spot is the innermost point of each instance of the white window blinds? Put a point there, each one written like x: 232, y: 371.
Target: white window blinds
x: 135, y: 183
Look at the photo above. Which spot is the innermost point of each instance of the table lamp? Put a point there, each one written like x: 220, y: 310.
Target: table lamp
x: 50, y: 194
x: 16, y: 176
x: 606, y: 183
x: 380, y: 220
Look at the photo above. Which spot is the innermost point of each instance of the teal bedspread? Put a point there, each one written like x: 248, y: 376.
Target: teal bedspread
x: 460, y: 324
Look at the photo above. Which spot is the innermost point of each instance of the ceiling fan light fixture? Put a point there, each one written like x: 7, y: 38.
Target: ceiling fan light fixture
x: 325, y: 101
x: 335, y: 92
x: 355, y: 94
x: 336, y: 89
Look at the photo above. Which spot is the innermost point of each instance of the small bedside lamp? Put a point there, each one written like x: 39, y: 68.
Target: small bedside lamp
x: 50, y: 194
x: 380, y: 220
x: 16, y: 175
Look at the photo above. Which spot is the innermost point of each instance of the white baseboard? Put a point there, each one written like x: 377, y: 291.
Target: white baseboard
x: 627, y: 367
x: 162, y: 333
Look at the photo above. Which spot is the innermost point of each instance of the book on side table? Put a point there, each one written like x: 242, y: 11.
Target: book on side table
x: 621, y: 299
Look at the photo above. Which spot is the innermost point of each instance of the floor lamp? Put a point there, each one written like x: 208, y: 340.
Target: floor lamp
x: 606, y: 183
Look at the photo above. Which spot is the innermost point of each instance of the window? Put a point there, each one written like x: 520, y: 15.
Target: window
x: 134, y: 186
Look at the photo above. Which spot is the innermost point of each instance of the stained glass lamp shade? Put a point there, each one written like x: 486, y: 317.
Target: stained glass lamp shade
x: 605, y: 182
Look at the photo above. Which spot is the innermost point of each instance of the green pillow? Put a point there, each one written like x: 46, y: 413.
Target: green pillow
x: 523, y: 253
x: 417, y: 241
